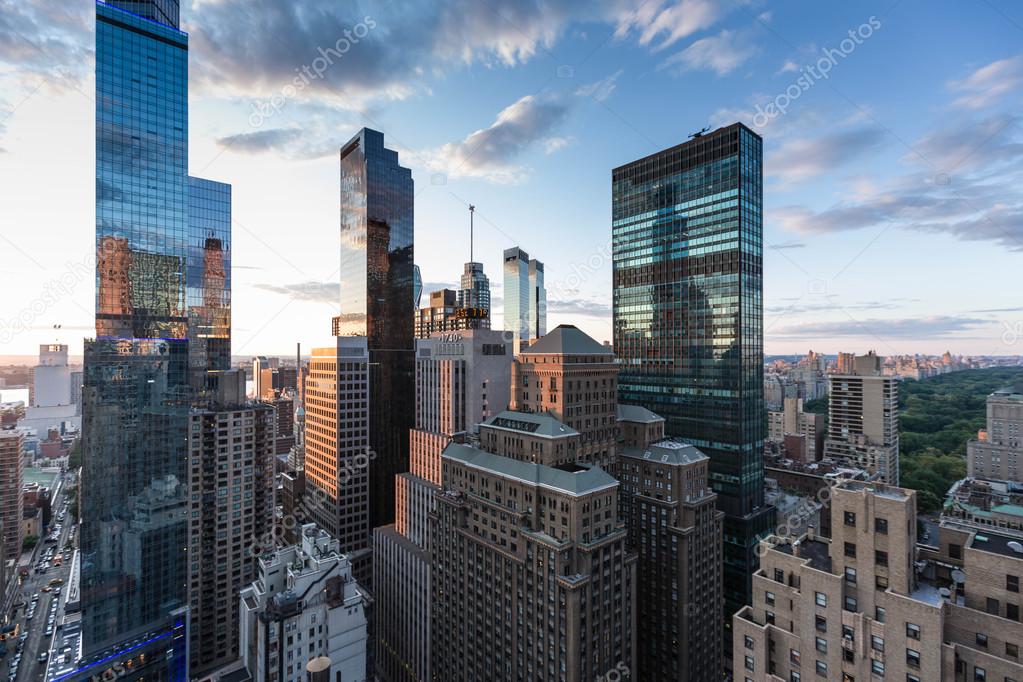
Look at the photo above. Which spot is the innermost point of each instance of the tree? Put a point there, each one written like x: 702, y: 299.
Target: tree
x: 29, y: 542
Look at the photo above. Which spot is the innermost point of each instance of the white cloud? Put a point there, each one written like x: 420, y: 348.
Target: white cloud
x: 988, y: 84
x: 721, y: 54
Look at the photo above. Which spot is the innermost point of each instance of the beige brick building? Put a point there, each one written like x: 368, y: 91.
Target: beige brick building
x: 870, y: 604
x: 574, y: 378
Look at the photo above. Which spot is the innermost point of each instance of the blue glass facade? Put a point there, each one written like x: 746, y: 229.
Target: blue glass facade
x: 163, y: 314
x: 377, y: 300
x: 141, y: 177
x: 208, y: 277
x: 688, y: 284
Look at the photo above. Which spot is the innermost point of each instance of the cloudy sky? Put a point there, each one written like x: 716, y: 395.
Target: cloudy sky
x: 892, y: 134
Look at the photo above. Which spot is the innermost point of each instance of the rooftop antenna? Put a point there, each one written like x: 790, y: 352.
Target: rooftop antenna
x: 472, y: 213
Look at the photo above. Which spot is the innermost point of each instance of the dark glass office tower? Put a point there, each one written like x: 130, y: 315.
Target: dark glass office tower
x: 162, y: 314
x: 688, y: 283
x: 377, y: 281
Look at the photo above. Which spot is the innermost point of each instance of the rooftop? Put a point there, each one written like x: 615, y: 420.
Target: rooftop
x: 994, y: 543
x: 875, y: 488
x: 566, y: 339
x: 666, y: 452
x: 578, y: 479
x: 636, y: 413
x: 537, y: 423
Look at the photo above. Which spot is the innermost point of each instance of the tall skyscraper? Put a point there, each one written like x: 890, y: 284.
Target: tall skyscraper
x: 377, y: 300
x: 337, y: 463
x: 687, y: 231
x: 12, y: 478
x: 675, y: 529
x: 445, y: 314
x: 863, y: 419
x: 525, y: 299
x: 531, y: 575
x: 162, y: 321
x: 461, y: 379
x: 231, y: 486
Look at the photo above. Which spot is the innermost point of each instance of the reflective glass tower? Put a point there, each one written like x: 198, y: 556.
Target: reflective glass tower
x: 474, y: 292
x: 687, y: 241
x: 525, y: 298
x: 162, y: 319
x: 377, y: 301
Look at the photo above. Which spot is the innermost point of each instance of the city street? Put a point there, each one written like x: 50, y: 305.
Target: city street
x: 37, y: 641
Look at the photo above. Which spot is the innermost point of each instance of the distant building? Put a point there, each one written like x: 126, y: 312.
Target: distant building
x: 574, y: 378
x: 474, y: 293
x: 870, y: 604
x: 445, y: 314
x: 997, y: 452
x: 791, y: 420
x: 304, y: 604
x: 863, y: 425
x: 52, y: 398
x: 525, y: 297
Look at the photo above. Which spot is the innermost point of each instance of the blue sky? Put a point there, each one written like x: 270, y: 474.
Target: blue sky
x: 893, y: 208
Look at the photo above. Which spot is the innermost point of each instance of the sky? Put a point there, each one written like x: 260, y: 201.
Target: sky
x: 892, y: 189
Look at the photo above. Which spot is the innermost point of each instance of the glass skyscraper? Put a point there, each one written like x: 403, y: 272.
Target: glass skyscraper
x: 525, y: 298
x: 474, y: 292
x: 163, y: 315
x: 688, y: 283
x: 377, y: 301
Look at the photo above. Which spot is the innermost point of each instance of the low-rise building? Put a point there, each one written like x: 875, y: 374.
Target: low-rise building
x: 305, y: 603
x: 870, y: 604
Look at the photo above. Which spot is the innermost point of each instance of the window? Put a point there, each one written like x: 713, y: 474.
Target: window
x: 850, y: 549
x: 912, y: 678
x: 850, y: 575
x: 1012, y: 611
x: 822, y: 668
x: 820, y: 598
x: 748, y: 641
x: 1011, y: 650
x: 847, y: 656
x: 749, y: 663
x: 850, y: 519
x: 877, y: 667
x: 769, y: 598
x: 881, y: 526
x: 993, y: 607
x: 822, y: 645
x: 955, y: 551
x: 1012, y: 583
x: 850, y: 604
x: 779, y: 575
x: 912, y: 658
x: 979, y: 674
x: 769, y: 617
x: 880, y: 558
x: 877, y: 643
x: 912, y: 631
x: 848, y: 632
x: 821, y: 623
x: 982, y: 640
x: 794, y: 656
x: 879, y: 614
x: 881, y: 582
x: 794, y: 676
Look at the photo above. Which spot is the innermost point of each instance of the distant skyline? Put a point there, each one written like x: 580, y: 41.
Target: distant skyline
x: 893, y: 208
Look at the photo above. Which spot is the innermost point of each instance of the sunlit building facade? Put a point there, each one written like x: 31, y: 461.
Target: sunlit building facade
x: 688, y: 285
